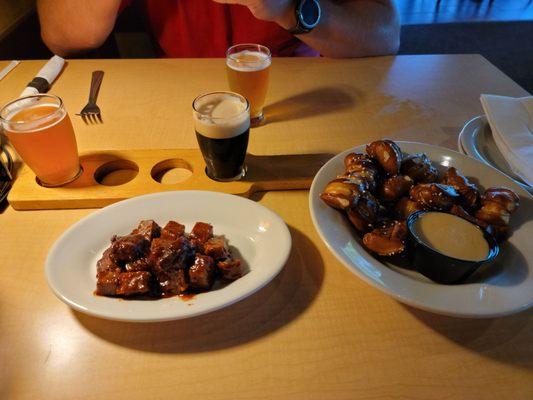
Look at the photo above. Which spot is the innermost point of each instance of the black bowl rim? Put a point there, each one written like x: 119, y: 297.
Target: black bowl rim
x: 494, y: 248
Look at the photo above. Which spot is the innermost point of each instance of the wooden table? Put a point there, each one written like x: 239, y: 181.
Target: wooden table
x: 315, y: 332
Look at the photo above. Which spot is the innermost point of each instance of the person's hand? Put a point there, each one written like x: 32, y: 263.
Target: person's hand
x: 279, y: 11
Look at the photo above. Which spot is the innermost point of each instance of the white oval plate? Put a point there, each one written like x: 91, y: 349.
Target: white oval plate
x: 504, y: 287
x: 261, y: 238
x: 475, y: 140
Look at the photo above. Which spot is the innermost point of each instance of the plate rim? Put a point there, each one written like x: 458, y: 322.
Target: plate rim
x: 383, y: 288
x: 284, y: 256
x: 477, y: 122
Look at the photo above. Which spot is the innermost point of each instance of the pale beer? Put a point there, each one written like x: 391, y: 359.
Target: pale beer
x: 41, y: 132
x: 248, y: 69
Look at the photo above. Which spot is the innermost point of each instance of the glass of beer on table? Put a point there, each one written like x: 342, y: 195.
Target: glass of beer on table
x: 40, y: 130
x: 248, y: 67
x: 222, y: 125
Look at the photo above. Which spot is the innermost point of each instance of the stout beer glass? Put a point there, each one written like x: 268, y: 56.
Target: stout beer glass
x: 39, y: 128
x: 248, y: 67
x: 222, y: 125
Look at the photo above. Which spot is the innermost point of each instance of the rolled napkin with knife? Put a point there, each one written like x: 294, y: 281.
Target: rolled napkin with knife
x: 511, y: 122
x: 45, y: 77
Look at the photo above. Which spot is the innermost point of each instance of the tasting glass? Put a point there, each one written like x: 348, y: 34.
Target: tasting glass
x: 248, y: 72
x: 40, y: 130
x: 222, y: 125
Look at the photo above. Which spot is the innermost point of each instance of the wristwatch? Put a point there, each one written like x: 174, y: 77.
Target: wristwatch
x: 307, y: 13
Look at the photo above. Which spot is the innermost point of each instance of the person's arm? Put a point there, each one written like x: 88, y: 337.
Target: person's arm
x: 356, y: 28
x: 71, y: 26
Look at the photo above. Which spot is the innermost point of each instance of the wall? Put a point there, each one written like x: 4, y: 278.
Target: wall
x: 12, y: 12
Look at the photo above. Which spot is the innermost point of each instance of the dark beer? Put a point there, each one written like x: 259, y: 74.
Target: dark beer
x: 222, y: 125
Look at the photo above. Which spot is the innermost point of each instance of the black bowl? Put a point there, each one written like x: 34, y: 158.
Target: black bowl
x: 440, y: 267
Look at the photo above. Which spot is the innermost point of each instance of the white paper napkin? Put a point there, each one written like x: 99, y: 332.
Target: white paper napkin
x: 49, y: 72
x: 511, y: 122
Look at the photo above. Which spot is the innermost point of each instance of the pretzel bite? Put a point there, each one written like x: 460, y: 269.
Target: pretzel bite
x: 461, y: 212
x: 387, y: 154
x: 419, y: 168
x: 361, y: 167
x: 388, y: 240
x: 434, y: 196
x: 395, y: 187
x: 356, y: 162
x: 364, y: 212
x: 341, y: 193
x: 468, y: 192
x: 405, y: 207
x: 497, y: 204
x: 503, y: 196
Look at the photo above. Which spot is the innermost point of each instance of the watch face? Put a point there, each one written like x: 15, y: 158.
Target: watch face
x: 310, y: 12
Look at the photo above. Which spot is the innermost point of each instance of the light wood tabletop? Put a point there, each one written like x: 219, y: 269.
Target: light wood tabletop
x: 316, y: 331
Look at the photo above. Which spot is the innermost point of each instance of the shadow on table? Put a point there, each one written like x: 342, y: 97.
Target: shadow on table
x: 318, y: 101
x: 505, y: 339
x: 268, y: 310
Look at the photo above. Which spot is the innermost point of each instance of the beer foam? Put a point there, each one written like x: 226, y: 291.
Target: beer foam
x: 33, y: 122
x: 248, y: 61
x: 221, y: 116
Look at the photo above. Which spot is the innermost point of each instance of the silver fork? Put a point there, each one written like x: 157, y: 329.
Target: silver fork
x: 91, y: 112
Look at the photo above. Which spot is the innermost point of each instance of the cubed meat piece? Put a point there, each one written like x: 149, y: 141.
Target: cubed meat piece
x: 197, y: 245
x: 148, y: 228
x: 171, y: 254
x: 173, y: 230
x: 106, y: 263
x: 129, y: 248
x: 217, y: 248
x: 229, y: 269
x: 131, y: 283
x: 107, y: 282
x: 202, y: 273
x: 172, y: 281
x: 142, y: 264
x: 202, y: 232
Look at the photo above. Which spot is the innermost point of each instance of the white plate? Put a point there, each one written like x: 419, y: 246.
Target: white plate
x: 475, y: 140
x: 260, y: 236
x: 504, y: 287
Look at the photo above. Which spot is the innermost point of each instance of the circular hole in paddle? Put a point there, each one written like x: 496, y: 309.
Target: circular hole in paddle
x: 172, y: 171
x: 115, y: 173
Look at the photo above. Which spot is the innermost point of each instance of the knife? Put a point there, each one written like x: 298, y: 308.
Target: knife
x: 9, y: 68
x: 45, y: 77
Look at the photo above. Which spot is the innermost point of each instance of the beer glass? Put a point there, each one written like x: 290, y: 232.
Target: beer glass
x: 222, y: 125
x: 248, y: 67
x: 40, y: 130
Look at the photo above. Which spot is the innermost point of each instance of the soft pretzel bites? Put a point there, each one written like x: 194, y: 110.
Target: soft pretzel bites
x: 388, y: 240
x: 341, y: 193
x: 468, y: 192
x: 461, y: 212
x: 387, y: 154
x: 395, y: 187
x: 364, y: 212
x: 361, y: 167
x: 405, y: 207
x: 503, y: 196
x: 419, y: 168
x: 494, y: 214
x: 434, y: 196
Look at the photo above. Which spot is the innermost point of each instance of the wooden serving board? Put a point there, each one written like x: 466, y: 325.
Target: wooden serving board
x: 106, y: 174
